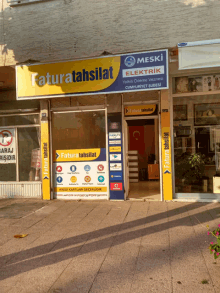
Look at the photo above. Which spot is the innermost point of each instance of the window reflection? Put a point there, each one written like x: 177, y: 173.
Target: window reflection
x: 78, y: 130
x: 196, y: 144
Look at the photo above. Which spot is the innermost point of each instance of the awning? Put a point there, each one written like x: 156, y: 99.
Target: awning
x: 199, y: 54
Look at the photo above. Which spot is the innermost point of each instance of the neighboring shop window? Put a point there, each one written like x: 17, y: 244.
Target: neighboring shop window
x: 29, y: 154
x: 197, y: 134
x: 79, y: 130
x: 20, y: 148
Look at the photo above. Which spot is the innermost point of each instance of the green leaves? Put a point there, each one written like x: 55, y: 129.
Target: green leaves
x: 190, y: 167
x: 215, y: 247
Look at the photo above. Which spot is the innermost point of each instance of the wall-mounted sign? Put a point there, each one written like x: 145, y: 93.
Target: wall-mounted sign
x: 114, y: 141
x: 114, y: 135
x: 114, y: 149
x: 7, y: 146
x: 115, y: 167
x: 140, y: 110
x: 115, y: 157
x: 116, y: 186
x: 123, y: 73
x: 116, y: 176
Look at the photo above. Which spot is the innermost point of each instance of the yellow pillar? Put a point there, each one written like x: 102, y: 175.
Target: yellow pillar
x: 45, y: 153
x: 166, y: 146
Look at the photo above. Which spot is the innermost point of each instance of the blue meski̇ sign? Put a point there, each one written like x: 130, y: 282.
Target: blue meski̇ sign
x: 141, y: 71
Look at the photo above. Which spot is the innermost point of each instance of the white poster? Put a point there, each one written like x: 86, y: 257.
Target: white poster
x: 81, y: 180
x: 115, y: 167
x: 114, y: 141
x: 114, y: 135
x: 7, y: 146
x: 115, y: 157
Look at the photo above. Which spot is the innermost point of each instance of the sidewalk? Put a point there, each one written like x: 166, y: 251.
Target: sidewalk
x: 101, y: 246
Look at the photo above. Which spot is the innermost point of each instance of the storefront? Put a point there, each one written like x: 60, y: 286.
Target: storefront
x: 195, y: 95
x: 115, y: 128
x: 87, y: 108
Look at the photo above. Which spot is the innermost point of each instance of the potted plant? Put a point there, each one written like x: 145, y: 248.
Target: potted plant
x: 189, y: 168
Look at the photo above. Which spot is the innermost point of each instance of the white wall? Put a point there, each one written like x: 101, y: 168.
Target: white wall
x: 67, y: 29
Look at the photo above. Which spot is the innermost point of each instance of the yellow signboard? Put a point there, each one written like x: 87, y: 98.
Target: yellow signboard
x: 45, y: 160
x: 115, y: 149
x: 80, y: 189
x: 76, y: 155
x: 67, y: 77
x: 140, y: 110
x: 166, y: 156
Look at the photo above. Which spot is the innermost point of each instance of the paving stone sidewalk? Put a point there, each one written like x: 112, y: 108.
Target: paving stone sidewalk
x: 104, y: 246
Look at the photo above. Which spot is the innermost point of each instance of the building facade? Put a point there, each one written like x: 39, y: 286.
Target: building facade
x: 110, y: 100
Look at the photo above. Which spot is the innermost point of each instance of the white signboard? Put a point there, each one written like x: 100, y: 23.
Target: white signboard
x: 115, y: 166
x: 114, y: 141
x: 7, y: 146
x: 114, y: 135
x: 81, y: 180
x: 115, y: 157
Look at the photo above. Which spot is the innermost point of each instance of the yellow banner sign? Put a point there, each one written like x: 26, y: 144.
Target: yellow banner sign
x: 45, y: 160
x: 139, y: 110
x: 115, y: 149
x: 67, y: 77
x: 166, y: 156
x: 76, y: 155
x: 80, y: 189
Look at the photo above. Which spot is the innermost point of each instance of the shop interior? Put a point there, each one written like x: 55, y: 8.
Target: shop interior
x: 143, y: 159
x: 196, y: 115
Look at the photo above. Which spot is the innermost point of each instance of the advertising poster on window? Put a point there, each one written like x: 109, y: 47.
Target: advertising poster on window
x: 7, y: 146
x: 80, y: 173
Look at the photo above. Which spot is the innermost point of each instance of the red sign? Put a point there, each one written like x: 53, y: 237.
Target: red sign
x: 59, y: 169
x: 6, y: 138
x: 116, y: 186
x: 100, y: 167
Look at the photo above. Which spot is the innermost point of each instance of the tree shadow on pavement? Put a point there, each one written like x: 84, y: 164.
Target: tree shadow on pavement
x: 44, y: 255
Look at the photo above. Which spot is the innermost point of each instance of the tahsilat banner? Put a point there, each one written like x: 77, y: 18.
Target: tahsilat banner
x: 110, y: 74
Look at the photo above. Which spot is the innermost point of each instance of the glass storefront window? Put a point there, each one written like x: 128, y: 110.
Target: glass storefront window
x: 13, y: 120
x: 20, y: 148
x: 29, y: 153
x: 196, y: 129
x: 79, y: 130
x: 8, y: 172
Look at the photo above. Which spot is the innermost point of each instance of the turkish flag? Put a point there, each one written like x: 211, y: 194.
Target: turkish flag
x: 136, y: 134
